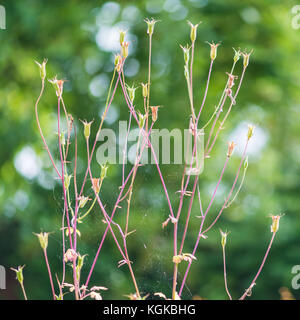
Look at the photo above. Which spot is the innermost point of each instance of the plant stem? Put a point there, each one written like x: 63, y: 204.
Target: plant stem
x: 112, y: 215
x: 225, y: 273
x: 149, y: 79
x: 218, y: 107
x: 175, y: 279
x: 238, y: 190
x: 227, y: 114
x: 125, y: 256
x: 248, y: 291
x: 231, y: 190
x: 202, y: 222
x: 90, y: 208
x: 108, y: 104
x: 62, y: 172
x: 40, y: 129
x: 49, y: 272
x: 206, y: 89
x: 23, y: 290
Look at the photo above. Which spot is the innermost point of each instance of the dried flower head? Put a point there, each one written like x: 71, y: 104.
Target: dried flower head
x: 186, y: 53
x: 213, y: 50
x: 131, y: 93
x: 145, y: 89
x: 19, y: 273
x: 184, y: 257
x: 124, y: 49
x: 58, y: 85
x: 177, y: 259
x: 95, y: 295
x: 231, y: 146
x: 193, y: 34
x: 142, y: 120
x: 122, y: 36
x: 80, y: 260
x: 231, y: 79
x: 87, y: 128
x: 42, y: 67
x: 246, y: 58
x: 224, y: 237
x: 82, y: 201
x: 150, y: 25
x: 98, y: 288
x: 96, y: 184
x: 70, y: 255
x: 237, y: 55
x: 275, y: 223
x: 118, y: 62
x: 104, y: 168
x: 154, y: 111
x: 43, y: 239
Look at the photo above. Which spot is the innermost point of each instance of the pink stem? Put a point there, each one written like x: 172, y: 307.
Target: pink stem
x: 214, y: 124
x: 260, y: 268
x: 125, y: 148
x: 49, y: 272
x: 205, y: 214
x: 40, y: 129
x: 96, y: 138
x: 221, y: 125
x: 153, y: 152
x: 206, y: 89
x: 231, y: 190
x: 112, y: 215
x: 225, y: 274
x: 62, y: 174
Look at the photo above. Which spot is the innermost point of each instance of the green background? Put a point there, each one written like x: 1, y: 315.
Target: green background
x: 79, y: 41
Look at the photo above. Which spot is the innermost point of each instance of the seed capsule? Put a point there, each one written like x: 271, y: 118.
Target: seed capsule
x: 213, y: 50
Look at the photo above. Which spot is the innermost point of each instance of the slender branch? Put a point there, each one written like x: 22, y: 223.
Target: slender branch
x: 206, y: 89
x: 239, y: 188
x: 23, y: 290
x: 40, y: 129
x: 49, y: 272
x: 228, y: 112
x: 108, y: 104
x: 248, y: 291
x: 225, y: 273
x: 202, y: 222
x: 62, y: 171
x: 125, y: 256
x: 231, y: 190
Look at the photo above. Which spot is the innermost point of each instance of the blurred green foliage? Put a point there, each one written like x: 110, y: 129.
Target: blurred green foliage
x: 78, y: 38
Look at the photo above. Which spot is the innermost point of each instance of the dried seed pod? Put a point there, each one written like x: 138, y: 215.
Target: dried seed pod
x: 231, y: 146
x: 150, y: 25
x: 43, y: 239
x: 42, y: 67
x: 213, y: 50
x: 193, y: 34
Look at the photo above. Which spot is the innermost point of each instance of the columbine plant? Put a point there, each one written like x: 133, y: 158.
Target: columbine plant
x: 79, y: 201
